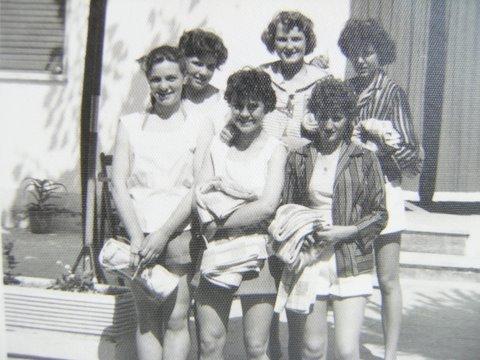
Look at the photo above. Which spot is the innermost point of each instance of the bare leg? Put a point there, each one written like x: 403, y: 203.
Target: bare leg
x: 308, y: 334
x: 213, y: 309
x: 387, y: 253
x: 148, y: 336
x: 257, y: 317
x: 177, y: 337
x: 349, y: 314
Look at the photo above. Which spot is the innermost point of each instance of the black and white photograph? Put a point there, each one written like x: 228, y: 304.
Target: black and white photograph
x: 240, y: 179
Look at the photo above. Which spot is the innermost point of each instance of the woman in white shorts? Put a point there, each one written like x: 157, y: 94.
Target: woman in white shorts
x: 345, y: 182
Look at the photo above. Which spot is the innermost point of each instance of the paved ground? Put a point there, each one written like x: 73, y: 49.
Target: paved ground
x: 441, y: 318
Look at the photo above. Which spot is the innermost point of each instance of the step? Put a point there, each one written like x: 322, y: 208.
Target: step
x: 420, y: 265
x: 434, y: 242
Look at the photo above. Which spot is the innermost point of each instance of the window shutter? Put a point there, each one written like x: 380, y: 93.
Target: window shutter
x: 32, y: 35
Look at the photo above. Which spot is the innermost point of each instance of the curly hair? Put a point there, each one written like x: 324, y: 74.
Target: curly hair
x: 332, y: 96
x: 253, y: 84
x: 360, y: 33
x: 198, y: 42
x: 290, y: 19
x: 159, y: 55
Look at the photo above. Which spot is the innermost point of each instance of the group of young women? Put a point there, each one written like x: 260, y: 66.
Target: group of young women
x: 285, y: 137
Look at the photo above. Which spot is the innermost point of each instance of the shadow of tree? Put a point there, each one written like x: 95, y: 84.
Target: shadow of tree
x: 437, y: 325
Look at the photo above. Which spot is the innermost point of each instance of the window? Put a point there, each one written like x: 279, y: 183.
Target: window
x: 32, y: 36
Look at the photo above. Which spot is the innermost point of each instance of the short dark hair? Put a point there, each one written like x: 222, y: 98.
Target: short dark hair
x: 331, y: 96
x: 253, y: 84
x: 359, y: 33
x: 290, y: 19
x: 159, y: 55
x: 198, y: 42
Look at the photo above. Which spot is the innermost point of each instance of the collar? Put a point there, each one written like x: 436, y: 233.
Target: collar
x: 371, y: 89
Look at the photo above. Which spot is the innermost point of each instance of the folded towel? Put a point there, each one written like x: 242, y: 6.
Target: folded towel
x: 159, y: 282
x: 290, y: 228
x: 225, y: 261
x: 218, y: 198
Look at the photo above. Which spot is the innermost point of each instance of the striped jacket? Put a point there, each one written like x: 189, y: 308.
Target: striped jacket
x: 383, y: 99
x: 358, y: 199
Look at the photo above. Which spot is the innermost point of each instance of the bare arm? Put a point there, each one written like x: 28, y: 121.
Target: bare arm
x: 123, y: 202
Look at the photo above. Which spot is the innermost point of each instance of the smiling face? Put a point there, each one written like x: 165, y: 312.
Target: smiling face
x: 166, y: 82
x: 366, y: 62
x: 290, y: 45
x: 247, y: 115
x: 200, y: 70
x: 331, y: 129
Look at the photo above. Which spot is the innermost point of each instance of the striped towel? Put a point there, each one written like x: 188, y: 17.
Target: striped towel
x: 292, y: 225
x: 225, y: 261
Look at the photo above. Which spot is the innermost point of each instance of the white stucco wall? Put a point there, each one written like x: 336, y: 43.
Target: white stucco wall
x: 41, y: 123
x: 134, y: 28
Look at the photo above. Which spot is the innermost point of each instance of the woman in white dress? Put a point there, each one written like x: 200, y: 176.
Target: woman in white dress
x: 156, y: 158
x: 253, y: 161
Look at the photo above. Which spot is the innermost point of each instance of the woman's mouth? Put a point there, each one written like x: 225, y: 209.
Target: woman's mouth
x: 161, y: 96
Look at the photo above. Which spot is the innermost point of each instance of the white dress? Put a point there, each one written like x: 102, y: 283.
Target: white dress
x: 161, y: 166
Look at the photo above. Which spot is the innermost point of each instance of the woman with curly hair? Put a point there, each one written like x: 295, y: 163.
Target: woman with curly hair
x: 381, y: 102
x: 157, y: 155
x: 290, y: 36
x: 343, y: 183
x: 204, y: 53
x: 254, y: 162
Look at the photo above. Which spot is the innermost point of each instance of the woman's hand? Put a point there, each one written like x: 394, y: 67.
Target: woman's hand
x: 336, y: 234
x: 227, y: 133
x: 135, y: 246
x: 153, y: 246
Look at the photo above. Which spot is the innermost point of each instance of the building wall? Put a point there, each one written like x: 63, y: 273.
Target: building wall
x: 41, y: 124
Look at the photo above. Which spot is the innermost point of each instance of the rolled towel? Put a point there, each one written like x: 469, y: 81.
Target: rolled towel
x: 156, y: 280
x: 373, y: 134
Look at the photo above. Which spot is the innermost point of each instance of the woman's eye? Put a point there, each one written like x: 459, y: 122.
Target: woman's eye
x: 281, y: 39
x: 171, y: 78
x: 252, y: 107
x: 297, y: 38
x: 211, y: 67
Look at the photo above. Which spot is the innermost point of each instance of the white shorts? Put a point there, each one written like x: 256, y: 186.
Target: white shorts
x: 395, y: 208
x: 329, y: 284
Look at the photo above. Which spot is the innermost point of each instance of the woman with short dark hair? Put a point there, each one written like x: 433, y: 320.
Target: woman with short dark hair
x: 204, y: 53
x: 254, y: 162
x: 343, y: 184
x: 382, y: 103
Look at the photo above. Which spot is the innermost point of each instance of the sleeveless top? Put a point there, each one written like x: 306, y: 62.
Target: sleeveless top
x: 250, y: 175
x: 161, y: 167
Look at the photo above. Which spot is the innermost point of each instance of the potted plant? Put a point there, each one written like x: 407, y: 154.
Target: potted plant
x: 41, y: 209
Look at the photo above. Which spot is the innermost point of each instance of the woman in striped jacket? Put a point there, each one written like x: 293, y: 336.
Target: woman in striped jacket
x: 345, y: 182
x: 369, y: 47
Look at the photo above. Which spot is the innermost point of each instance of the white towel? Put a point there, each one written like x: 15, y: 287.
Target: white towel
x: 218, y: 198
x: 159, y: 282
